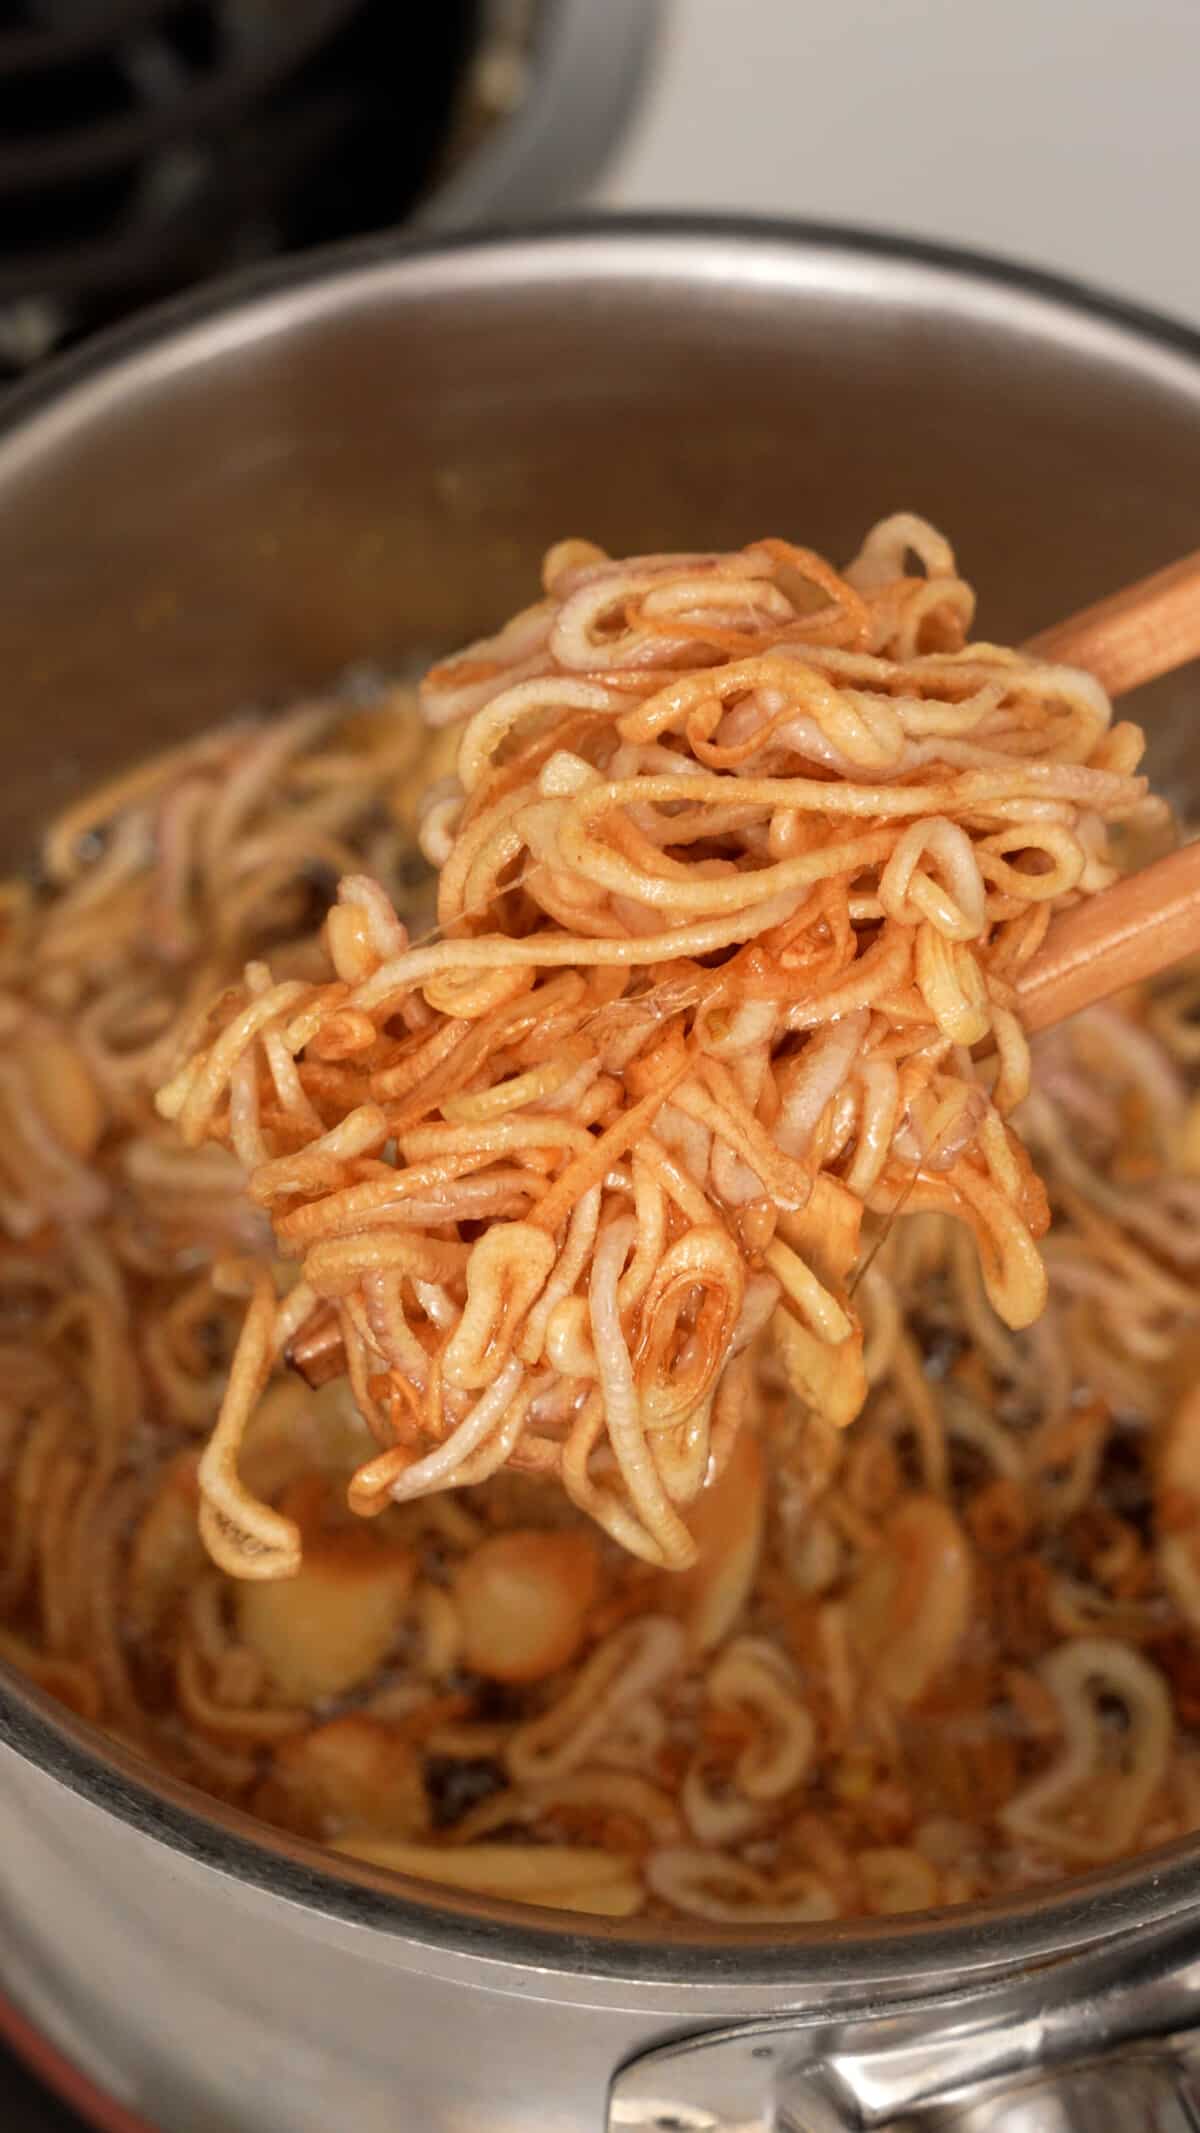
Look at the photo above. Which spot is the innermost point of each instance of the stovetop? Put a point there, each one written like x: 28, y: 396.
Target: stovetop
x: 145, y: 144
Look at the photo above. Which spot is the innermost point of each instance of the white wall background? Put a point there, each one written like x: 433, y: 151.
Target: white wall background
x: 1061, y: 132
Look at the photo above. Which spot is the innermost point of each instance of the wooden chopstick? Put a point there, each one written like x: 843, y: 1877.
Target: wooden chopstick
x: 1121, y: 937
x: 1136, y: 634
x: 1142, y: 925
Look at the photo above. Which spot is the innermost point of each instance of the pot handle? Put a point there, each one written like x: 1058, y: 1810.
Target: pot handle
x: 1128, y: 2094
x: 1107, y: 2042
x: 1132, y: 2096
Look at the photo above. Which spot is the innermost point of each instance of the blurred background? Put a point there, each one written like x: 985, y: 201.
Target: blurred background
x: 1060, y: 132
x: 147, y: 144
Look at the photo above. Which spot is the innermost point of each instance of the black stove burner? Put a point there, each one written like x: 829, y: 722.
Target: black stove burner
x: 147, y: 143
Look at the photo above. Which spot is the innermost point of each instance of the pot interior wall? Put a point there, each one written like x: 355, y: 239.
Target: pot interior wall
x: 369, y: 468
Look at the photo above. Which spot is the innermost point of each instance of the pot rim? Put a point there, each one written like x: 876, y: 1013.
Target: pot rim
x: 1075, y: 1914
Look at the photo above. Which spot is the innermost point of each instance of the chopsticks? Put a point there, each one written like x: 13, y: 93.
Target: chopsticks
x: 1134, y: 636
x: 1120, y: 937
x: 1129, y: 933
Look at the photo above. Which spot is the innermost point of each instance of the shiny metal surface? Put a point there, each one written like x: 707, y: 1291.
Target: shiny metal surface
x: 1142, y: 2095
x: 362, y: 458
x: 1104, y: 2042
x: 587, y: 73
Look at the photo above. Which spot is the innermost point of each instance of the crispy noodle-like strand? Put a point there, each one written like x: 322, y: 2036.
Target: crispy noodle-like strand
x: 738, y: 862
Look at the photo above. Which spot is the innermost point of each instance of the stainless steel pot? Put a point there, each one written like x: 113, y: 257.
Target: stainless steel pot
x: 363, y: 457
